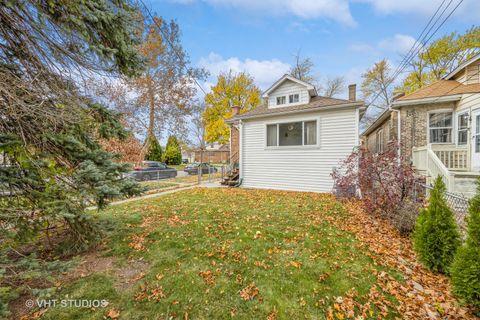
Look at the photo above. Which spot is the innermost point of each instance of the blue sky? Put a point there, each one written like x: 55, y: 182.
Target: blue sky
x: 342, y: 37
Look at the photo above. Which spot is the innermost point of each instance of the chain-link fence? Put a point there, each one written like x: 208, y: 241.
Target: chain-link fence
x: 458, y: 204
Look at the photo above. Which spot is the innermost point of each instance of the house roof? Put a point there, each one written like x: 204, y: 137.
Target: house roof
x: 441, y: 88
x: 461, y: 67
x: 316, y: 103
x: 286, y: 77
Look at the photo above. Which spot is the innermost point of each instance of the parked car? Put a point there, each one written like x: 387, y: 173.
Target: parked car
x: 206, y: 168
x: 153, y: 170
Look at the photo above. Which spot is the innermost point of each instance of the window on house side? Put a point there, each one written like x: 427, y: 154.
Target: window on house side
x: 310, y: 131
x: 293, y: 98
x: 281, y: 100
x: 379, y: 142
x: 440, y: 126
x: 292, y: 134
x: 271, y: 135
x: 462, y: 128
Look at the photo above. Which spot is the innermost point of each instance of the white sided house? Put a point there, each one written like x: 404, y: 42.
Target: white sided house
x: 295, y: 139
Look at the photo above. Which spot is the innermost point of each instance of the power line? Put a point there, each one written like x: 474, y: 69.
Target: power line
x: 179, y: 56
x: 407, y: 59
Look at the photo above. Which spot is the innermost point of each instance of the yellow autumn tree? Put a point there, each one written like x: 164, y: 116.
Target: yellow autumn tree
x: 231, y: 90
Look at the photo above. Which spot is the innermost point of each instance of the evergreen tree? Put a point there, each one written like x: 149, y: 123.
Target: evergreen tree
x: 49, y: 131
x: 465, y: 269
x: 173, y: 152
x: 436, y: 237
x: 154, y: 151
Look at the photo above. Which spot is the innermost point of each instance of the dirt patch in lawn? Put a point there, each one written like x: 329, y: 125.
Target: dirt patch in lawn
x: 130, y: 273
x: 422, y: 294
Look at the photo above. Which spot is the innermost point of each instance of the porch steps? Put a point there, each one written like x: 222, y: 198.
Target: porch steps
x: 231, y: 179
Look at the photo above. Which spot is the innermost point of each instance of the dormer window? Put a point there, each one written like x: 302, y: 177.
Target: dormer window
x: 293, y: 98
x: 281, y: 100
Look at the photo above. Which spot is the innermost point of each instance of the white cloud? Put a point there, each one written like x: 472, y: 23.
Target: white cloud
x: 399, y: 43
x: 468, y: 8
x: 337, y: 10
x: 265, y: 72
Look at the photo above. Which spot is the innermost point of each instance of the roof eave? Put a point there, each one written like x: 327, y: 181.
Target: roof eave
x: 291, y: 78
x: 359, y: 104
x: 429, y: 100
x: 461, y: 66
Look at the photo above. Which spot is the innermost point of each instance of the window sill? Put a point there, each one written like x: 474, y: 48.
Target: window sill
x: 312, y: 147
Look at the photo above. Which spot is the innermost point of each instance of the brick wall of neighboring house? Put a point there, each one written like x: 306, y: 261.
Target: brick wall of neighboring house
x: 235, y: 144
x: 389, y: 131
x: 214, y: 156
x: 414, y: 124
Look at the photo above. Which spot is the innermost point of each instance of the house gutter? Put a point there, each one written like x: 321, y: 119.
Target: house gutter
x: 306, y: 110
x: 412, y: 102
x: 240, y: 149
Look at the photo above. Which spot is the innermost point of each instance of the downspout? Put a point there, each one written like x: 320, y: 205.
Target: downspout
x: 399, y: 136
x: 240, y: 148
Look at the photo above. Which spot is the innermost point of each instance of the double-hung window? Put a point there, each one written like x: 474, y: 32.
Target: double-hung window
x: 294, y: 98
x: 440, y: 127
x: 379, y: 142
x: 462, y: 128
x: 281, y: 100
x: 299, y: 133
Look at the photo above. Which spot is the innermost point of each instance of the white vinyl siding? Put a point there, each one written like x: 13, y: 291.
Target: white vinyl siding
x: 285, y: 90
x: 300, y: 168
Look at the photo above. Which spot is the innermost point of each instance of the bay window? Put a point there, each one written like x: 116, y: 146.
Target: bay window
x: 440, y: 127
x: 299, y: 133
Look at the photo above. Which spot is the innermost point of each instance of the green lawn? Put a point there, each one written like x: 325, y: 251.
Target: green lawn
x: 222, y: 254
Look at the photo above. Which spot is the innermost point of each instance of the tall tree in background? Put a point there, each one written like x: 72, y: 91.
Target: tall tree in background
x: 375, y: 84
x: 231, y: 90
x: 48, y: 129
x: 160, y: 99
x: 303, y: 69
x: 334, y: 86
x: 439, y: 58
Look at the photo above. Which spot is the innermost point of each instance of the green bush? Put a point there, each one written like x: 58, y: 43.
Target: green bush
x: 154, y: 151
x: 465, y: 269
x: 173, y: 153
x: 436, y: 237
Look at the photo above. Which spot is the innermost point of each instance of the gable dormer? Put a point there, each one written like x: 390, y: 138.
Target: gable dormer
x: 289, y: 91
x: 467, y: 72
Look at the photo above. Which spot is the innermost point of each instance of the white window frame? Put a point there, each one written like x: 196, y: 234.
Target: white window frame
x: 293, y: 95
x: 457, y: 129
x: 281, y: 104
x: 379, y: 143
x: 453, y: 135
x: 303, y: 145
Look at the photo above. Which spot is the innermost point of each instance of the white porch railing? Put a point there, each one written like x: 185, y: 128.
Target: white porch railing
x: 454, y: 158
x: 425, y: 159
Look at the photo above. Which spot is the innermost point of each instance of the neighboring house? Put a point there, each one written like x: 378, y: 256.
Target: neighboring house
x: 214, y: 153
x: 437, y: 127
x: 295, y: 139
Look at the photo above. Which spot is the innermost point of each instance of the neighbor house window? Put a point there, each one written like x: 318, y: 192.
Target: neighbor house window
x: 440, y: 126
x: 462, y: 128
x: 293, y: 98
x: 281, y: 100
x: 379, y: 142
x: 292, y: 134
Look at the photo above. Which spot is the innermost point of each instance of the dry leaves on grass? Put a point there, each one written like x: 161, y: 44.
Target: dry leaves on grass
x: 208, y: 277
x: 150, y: 294
x: 423, y: 295
x: 250, y: 292
x: 113, y: 314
